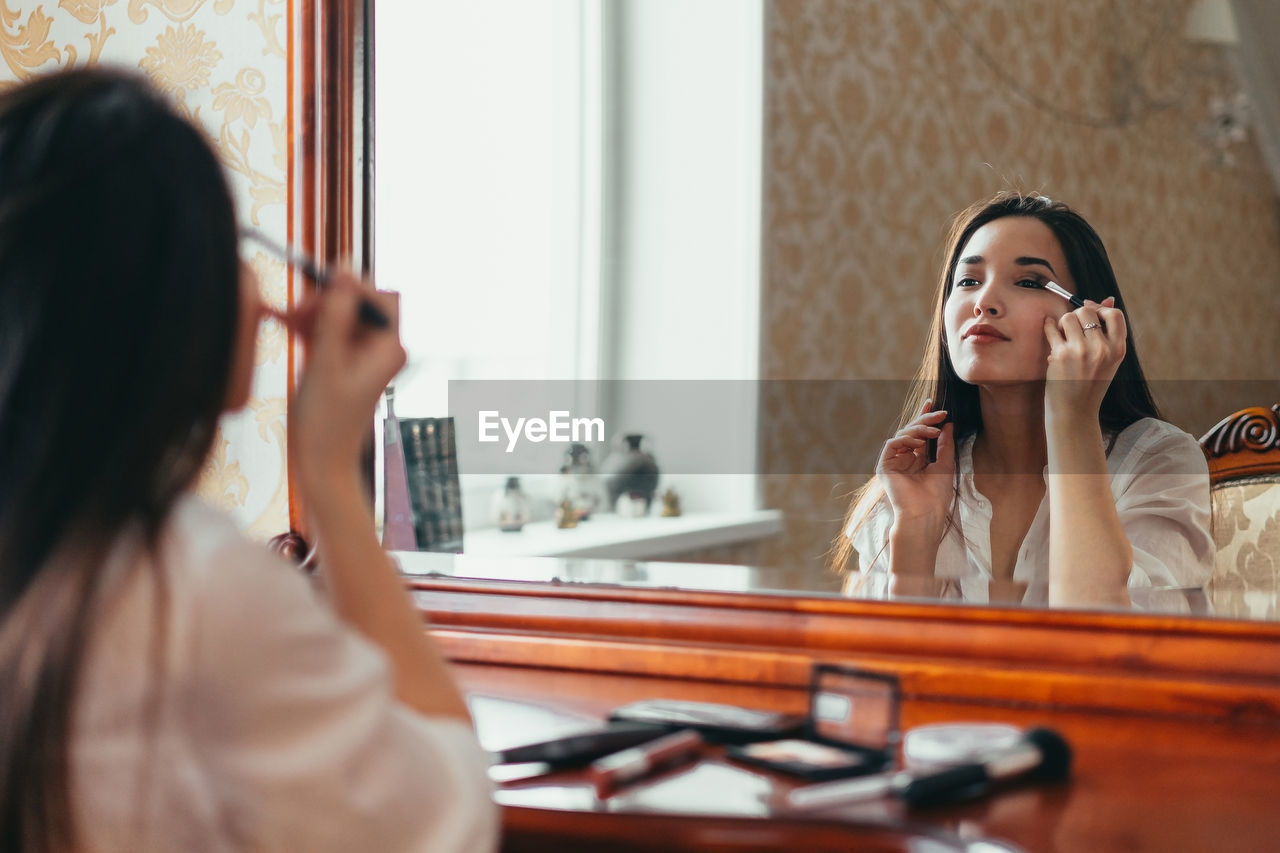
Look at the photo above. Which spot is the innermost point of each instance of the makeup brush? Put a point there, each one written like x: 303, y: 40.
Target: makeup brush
x: 369, y: 314
x: 1054, y: 287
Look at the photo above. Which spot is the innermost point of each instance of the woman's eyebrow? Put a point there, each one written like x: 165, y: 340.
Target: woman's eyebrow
x: 1027, y: 262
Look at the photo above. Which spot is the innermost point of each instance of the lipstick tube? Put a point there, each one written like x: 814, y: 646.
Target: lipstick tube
x: 622, y: 768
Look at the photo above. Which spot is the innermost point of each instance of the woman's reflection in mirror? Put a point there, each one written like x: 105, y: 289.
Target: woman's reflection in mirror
x: 1055, y: 480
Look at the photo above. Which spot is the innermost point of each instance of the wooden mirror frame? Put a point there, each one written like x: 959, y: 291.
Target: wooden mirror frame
x: 1111, y: 662
x: 327, y: 123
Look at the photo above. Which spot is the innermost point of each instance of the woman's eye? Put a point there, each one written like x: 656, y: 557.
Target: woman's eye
x: 967, y: 282
x: 1031, y: 282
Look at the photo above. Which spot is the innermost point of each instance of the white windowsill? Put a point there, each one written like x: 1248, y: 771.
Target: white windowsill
x: 609, y: 536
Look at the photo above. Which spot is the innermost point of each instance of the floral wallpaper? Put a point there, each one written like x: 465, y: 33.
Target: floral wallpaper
x: 224, y: 64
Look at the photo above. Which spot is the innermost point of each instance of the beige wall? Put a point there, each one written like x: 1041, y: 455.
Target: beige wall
x: 884, y: 118
x: 224, y: 64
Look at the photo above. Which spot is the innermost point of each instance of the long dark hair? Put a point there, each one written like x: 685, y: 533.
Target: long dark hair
x: 118, y: 304
x: 1128, y: 398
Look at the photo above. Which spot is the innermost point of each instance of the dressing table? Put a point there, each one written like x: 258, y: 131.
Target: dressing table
x: 1175, y: 721
x: 1137, y: 784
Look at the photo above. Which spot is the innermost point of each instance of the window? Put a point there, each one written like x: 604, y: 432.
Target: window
x: 570, y: 189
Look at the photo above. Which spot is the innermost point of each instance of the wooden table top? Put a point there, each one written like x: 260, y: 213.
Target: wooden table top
x: 1138, y: 783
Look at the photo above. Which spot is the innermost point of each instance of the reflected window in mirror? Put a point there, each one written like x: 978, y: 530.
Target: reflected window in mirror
x: 572, y: 191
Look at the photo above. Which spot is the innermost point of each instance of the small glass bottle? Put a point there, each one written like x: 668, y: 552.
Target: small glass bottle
x: 511, y: 507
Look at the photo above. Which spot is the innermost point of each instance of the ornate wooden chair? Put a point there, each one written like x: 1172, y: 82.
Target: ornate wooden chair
x: 1244, y: 476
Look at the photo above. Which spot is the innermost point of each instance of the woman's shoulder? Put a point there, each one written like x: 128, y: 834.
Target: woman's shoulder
x: 234, y: 593
x: 1147, y: 432
x: 201, y: 525
x: 1154, y: 439
x: 203, y: 545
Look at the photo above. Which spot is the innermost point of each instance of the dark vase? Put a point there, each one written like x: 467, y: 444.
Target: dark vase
x: 631, y: 470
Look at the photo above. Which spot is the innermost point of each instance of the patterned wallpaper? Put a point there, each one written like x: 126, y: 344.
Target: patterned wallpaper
x: 224, y: 64
x: 884, y: 118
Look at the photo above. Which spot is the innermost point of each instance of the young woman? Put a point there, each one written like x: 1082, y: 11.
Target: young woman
x: 168, y: 684
x: 1055, y: 481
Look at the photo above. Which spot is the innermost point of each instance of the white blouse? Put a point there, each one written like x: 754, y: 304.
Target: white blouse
x: 1160, y: 481
x: 258, y: 721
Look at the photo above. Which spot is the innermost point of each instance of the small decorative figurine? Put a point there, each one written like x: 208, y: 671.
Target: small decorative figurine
x: 566, y: 515
x: 580, y: 483
x: 670, y: 504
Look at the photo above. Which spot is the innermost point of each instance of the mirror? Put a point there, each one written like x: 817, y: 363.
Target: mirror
x: 758, y: 193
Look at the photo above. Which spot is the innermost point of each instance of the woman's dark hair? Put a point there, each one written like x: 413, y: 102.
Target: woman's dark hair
x: 118, y: 308
x: 1128, y: 398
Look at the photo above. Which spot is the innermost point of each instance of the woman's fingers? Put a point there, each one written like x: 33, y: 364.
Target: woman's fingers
x: 918, y: 430
x: 905, y: 451
x: 352, y: 356
x: 1053, y: 334
x: 901, y: 443
x: 1077, y: 326
x: 947, y: 445
x: 1085, y: 349
x: 924, y: 427
x: 334, y: 320
x: 344, y: 291
x: 915, y: 436
x: 900, y: 462
x: 1094, y: 327
x: 1113, y: 322
x: 382, y: 302
x: 930, y: 417
x: 300, y: 319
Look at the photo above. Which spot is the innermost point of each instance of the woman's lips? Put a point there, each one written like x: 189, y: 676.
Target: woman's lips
x: 983, y: 333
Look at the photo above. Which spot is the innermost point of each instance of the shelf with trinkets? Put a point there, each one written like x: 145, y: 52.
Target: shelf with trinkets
x: 610, y: 536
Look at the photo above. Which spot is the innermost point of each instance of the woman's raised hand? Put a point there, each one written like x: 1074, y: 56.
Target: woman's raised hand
x: 917, y: 490
x: 348, y: 366
x: 1086, y: 347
